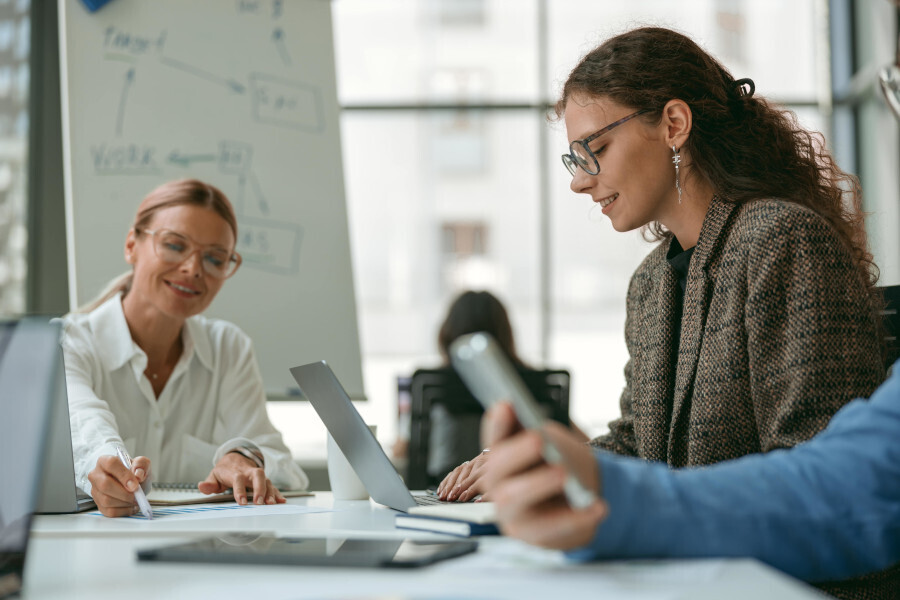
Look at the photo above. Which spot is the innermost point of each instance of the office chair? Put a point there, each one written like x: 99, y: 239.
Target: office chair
x: 440, y: 392
x: 891, y: 320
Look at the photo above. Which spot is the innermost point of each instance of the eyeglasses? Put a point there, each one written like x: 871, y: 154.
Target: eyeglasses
x: 580, y: 153
x: 175, y: 248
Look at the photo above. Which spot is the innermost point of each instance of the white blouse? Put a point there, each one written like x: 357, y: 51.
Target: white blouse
x: 213, y: 402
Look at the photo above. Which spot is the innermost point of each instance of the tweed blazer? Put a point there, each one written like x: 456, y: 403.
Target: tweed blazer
x: 777, y: 333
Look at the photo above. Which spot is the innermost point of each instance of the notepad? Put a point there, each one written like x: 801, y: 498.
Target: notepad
x: 474, y: 512
x: 462, y: 520
x: 171, y: 494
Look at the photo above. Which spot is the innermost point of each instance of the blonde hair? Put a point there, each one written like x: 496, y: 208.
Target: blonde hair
x: 180, y: 192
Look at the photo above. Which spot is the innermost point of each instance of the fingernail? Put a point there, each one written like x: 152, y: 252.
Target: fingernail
x: 259, y: 500
x: 270, y: 500
x: 131, y: 485
x: 243, y: 501
x: 139, y: 473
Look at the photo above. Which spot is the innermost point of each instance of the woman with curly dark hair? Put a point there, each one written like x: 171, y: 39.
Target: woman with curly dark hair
x: 754, y: 319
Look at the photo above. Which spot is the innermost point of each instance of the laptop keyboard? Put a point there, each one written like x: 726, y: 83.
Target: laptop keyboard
x: 430, y: 500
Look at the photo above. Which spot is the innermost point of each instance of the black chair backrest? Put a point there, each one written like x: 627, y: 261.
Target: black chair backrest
x: 891, y: 321
x: 431, y: 387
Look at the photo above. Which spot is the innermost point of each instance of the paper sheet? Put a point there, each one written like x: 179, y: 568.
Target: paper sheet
x: 197, y: 512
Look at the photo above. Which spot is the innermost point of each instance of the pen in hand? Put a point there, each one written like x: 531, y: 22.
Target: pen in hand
x: 139, y: 495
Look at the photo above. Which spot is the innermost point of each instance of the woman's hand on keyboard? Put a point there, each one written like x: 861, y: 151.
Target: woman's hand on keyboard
x: 464, y: 482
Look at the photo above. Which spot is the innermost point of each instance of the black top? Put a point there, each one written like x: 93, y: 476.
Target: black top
x: 680, y: 260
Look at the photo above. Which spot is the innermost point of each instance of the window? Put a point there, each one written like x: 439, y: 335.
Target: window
x: 465, y: 262
x: 15, y: 42
x: 866, y: 133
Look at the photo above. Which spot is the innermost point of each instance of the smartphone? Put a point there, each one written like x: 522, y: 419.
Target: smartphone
x: 491, y: 378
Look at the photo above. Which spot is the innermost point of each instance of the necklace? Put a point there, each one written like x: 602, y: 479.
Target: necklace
x: 167, y: 366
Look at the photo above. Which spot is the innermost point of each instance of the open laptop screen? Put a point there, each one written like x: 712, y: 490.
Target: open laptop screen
x: 29, y: 376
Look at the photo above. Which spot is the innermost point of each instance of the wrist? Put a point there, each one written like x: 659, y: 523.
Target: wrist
x: 252, y: 454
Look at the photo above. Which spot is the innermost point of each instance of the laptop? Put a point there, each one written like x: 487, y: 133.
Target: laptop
x: 323, y: 390
x: 30, y: 376
x: 59, y: 493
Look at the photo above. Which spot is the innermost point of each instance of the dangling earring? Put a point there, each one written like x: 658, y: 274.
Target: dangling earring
x: 676, y: 160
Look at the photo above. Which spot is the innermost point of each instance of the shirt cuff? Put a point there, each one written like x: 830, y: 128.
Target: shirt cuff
x: 107, y: 449
x: 619, y: 476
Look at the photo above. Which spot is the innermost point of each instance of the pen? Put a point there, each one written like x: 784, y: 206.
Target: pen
x: 139, y: 492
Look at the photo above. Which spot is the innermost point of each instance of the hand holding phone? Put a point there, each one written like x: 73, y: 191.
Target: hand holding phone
x: 491, y: 378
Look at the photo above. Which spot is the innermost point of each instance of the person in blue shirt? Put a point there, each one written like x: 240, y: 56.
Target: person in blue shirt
x: 825, y: 510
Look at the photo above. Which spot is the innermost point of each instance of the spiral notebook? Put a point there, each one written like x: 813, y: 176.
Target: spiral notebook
x: 169, y: 494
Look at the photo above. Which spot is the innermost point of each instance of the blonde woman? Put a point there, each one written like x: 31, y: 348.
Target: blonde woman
x: 145, y: 370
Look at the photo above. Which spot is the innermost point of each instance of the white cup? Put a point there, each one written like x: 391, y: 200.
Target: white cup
x: 345, y: 483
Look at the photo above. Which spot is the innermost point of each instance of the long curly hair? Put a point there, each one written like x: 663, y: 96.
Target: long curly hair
x: 744, y: 146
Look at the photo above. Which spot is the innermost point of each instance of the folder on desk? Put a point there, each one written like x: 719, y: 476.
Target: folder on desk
x: 479, y: 518
x: 457, y: 527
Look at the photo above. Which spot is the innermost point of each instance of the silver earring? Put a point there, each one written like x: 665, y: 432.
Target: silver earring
x: 676, y: 160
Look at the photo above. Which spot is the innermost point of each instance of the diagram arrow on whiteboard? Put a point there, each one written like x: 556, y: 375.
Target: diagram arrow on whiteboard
x: 278, y: 38
x: 185, y: 160
x: 235, y: 86
x: 261, y: 201
x: 242, y: 182
x: 129, y: 79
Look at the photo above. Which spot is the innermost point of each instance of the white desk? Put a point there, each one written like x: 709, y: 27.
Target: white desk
x: 91, y: 557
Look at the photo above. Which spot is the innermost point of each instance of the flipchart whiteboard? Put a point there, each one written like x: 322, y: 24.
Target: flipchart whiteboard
x: 239, y: 93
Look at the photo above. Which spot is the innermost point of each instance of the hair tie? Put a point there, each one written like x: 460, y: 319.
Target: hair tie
x: 744, y: 87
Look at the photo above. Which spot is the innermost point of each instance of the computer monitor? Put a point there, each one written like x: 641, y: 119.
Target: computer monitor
x: 30, y: 374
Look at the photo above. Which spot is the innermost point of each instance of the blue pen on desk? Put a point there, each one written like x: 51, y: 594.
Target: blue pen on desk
x: 139, y: 494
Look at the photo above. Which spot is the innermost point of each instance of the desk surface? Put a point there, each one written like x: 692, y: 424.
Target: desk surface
x: 92, y: 557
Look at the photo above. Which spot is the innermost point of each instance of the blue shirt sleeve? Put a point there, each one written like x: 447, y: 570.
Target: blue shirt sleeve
x: 826, y: 509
